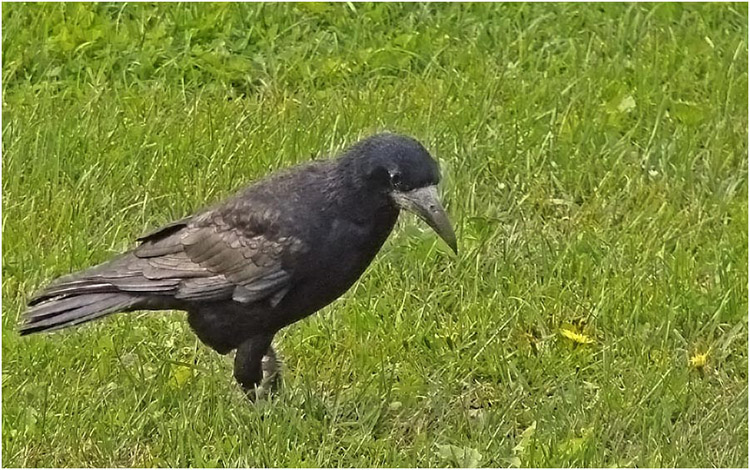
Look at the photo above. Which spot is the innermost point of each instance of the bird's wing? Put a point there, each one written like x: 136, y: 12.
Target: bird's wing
x: 189, y: 260
x: 216, y: 262
x: 165, y: 230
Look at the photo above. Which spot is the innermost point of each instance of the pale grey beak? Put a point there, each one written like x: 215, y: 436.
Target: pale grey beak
x: 425, y: 202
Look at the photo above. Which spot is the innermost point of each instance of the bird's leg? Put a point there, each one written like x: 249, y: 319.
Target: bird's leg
x: 248, y: 365
x: 270, y: 365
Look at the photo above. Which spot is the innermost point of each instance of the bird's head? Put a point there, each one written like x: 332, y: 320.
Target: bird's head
x: 402, y: 170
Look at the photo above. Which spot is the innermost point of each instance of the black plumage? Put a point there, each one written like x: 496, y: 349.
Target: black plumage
x: 274, y: 253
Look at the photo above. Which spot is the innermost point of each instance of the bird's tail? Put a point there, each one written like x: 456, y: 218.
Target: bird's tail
x: 76, y: 299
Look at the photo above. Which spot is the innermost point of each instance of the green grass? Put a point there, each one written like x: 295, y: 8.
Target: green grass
x: 595, y: 163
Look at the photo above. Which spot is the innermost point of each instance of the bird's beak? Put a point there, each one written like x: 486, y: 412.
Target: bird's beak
x: 425, y: 202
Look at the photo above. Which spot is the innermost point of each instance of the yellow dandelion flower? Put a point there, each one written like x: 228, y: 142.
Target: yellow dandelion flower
x: 699, y: 360
x: 578, y: 338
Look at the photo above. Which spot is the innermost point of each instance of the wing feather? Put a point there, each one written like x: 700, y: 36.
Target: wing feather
x: 205, y: 259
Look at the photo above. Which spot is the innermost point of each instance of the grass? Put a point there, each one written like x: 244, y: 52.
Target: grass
x: 595, y: 162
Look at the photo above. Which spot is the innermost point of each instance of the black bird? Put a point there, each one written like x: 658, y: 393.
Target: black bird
x: 274, y: 253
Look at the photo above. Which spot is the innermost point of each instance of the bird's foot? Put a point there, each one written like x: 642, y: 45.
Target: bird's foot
x: 271, y: 381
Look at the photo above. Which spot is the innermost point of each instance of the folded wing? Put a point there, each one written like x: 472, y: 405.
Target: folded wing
x: 183, y: 261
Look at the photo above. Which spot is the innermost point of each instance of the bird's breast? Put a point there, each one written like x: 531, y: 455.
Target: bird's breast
x: 336, y: 260
x: 351, y: 247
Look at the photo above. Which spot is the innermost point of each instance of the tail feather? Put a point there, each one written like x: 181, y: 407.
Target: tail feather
x: 71, y: 289
x: 124, y: 283
x: 96, y: 279
x: 86, y: 295
x: 58, y: 313
x: 60, y: 305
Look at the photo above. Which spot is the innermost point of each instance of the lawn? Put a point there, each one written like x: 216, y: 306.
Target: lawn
x: 595, y: 167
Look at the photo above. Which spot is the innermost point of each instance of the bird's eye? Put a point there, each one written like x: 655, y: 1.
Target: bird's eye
x: 395, y: 179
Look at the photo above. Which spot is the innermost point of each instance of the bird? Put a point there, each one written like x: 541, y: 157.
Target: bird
x: 275, y: 252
